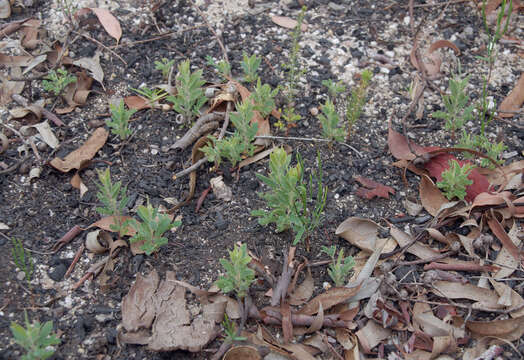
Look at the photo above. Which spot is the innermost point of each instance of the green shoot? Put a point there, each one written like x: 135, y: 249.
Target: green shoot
x: 23, y: 260
x: 222, y: 67
x: 250, y: 65
x: 150, y: 230
x: 190, y: 95
x: 330, y: 121
x: 240, y: 143
x: 264, y: 98
x: 119, y: 122
x: 231, y: 331
x: 114, y: 199
x: 357, y: 100
x: 455, y: 180
x: 341, y: 266
x: 165, y: 66
x: 56, y: 81
x: 35, y: 338
x: 290, y: 198
x: 238, y: 276
x: 153, y: 96
x: 334, y: 88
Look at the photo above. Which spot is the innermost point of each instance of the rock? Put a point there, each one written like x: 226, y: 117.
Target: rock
x: 57, y: 274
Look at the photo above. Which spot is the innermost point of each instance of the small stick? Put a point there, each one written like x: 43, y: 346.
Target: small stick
x: 99, y: 43
x: 70, y: 235
x: 75, y: 260
x: 224, y: 52
x: 158, y: 37
x: 304, y: 139
x: 459, y: 267
x: 422, y: 261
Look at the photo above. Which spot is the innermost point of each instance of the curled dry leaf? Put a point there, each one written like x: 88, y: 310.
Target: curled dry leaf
x: 512, y: 103
x: 77, y: 183
x: 75, y: 94
x: 243, y: 352
x: 136, y: 102
x: 220, y: 189
x: 106, y: 222
x: 510, y: 329
x: 504, y: 256
x: 303, y: 291
x: 9, y: 88
x: 371, y: 335
x: 373, y: 189
x: 93, y: 65
x: 75, y: 159
x: 5, y: 143
x: 422, y: 251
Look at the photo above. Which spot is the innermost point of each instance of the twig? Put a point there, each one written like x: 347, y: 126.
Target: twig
x: 423, y: 261
x: 27, y: 141
x: 75, y: 260
x: 204, y: 124
x: 270, y: 137
x: 280, y: 290
x: 67, y: 238
x: 459, y: 267
x: 99, y: 43
x: 224, y: 52
x: 158, y: 37
x: 48, y: 114
x: 190, y: 169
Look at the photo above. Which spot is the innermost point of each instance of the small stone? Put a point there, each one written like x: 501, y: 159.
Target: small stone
x: 58, y: 272
x: 313, y: 111
x: 20, y: 275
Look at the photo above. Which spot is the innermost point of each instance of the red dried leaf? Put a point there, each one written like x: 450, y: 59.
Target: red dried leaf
x: 375, y: 189
x: 329, y: 299
x: 399, y: 148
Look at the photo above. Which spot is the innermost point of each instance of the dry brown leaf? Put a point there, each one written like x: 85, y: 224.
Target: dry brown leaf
x: 424, y: 319
x: 109, y: 22
x: 30, y: 34
x: 136, y: 102
x: 510, y: 329
x: 422, y: 251
x: 504, y: 257
x: 513, y: 297
x: 17, y: 60
x: 77, y: 183
x: 431, y: 197
x: 500, y: 233
x: 360, y: 232
x: 137, y: 306
x: 242, y: 352
x: 514, y: 100
x: 371, y: 335
x: 75, y: 159
x: 455, y: 290
x: 287, y: 22
x: 9, y: 88
x: 93, y: 65
x: 106, y: 222
x: 329, y: 299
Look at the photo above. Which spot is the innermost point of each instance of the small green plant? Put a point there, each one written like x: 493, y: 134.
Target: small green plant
x: 250, y: 65
x: 114, y: 199
x: 334, y: 88
x: 68, y: 8
x: 294, y: 72
x: 455, y: 180
x: 357, y: 100
x: 164, y: 66
x: 153, y: 96
x: 22, y: 259
x: 150, y: 230
x: 264, y: 98
x: 231, y: 331
x: 341, y: 266
x: 482, y: 144
x: 290, y: 199
x: 238, y: 276
x: 119, y: 122
x: 56, y: 81
x: 456, y: 114
x: 35, y: 338
x: 222, y: 67
x: 235, y: 146
x: 190, y: 95
x: 330, y: 121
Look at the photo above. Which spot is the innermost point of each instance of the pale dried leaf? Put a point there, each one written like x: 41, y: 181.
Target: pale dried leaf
x: 137, y: 306
x: 329, y: 299
x: 5, y: 9
x: 109, y: 22
x: 220, y: 189
x: 509, y: 329
x: 287, y: 22
x: 360, y: 232
x: 514, y: 100
x: 422, y: 251
x: 504, y: 257
x: 93, y: 65
x: 303, y: 291
x: 430, y: 196
x: 371, y: 335
x: 455, y: 290
x: 47, y: 134
x: 508, y: 297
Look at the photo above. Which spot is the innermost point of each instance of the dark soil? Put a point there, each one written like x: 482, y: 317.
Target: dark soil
x: 41, y: 211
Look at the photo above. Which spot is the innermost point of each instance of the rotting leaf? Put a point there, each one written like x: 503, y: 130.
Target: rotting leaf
x: 84, y: 153
x: 329, y: 299
x: 374, y: 189
x: 512, y: 103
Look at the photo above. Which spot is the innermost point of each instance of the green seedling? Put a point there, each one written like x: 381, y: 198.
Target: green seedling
x: 114, y: 199
x: 250, y: 65
x: 190, y: 95
x: 222, y: 67
x: 330, y: 121
x: 482, y: 144
x: 238, y: 276
x: 334, y: 88
x: 35, y: 338
x: 150, y: 230
x: 68, y: 9
x: 264, y: 98
x: 56, y: 81
x: 290, y: 198
x: 231, y: 331
x: 164, y: 66
x: 294, y: 72
x: 341, y: 266
x: 455, y: 180
x: 357, y: 100
x: 153, y: 96
x: 456, y: 112
x: 119, y: 122
x: 23, y: 260
x: 240, y: 143
x: 289, y: 116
